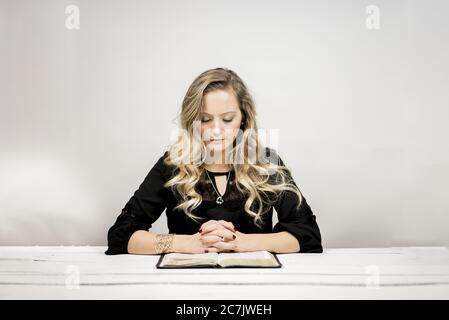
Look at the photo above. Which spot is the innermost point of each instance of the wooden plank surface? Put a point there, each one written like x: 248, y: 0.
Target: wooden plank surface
x: 359, y: 273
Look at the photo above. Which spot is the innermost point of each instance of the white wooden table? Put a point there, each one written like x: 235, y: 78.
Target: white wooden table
x: 87, y: 273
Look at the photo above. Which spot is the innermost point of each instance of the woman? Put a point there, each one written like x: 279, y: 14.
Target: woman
x: 217, y: 183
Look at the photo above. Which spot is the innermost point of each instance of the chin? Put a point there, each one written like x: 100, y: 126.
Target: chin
x: 217, y: 146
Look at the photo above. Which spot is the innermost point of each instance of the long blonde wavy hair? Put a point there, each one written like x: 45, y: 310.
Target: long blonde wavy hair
x: 257, y: 178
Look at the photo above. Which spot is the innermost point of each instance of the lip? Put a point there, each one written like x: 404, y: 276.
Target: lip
x: 216, y: 140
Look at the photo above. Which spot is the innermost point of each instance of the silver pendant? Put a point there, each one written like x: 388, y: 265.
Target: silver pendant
x: 219, y: 200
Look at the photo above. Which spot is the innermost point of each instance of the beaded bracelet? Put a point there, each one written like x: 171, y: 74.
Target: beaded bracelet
x: 163, y: 242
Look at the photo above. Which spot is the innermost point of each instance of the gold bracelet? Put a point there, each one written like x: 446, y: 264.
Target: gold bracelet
x: 169, y: 242
x: 163, y: 242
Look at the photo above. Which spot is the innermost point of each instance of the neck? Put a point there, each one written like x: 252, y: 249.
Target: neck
x: 216, y: 162
x: 217, y: 167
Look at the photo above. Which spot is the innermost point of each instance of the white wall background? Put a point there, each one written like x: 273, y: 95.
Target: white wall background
x: 362, y: 114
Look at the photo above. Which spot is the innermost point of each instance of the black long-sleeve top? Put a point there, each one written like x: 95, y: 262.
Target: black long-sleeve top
x: 152, y: 198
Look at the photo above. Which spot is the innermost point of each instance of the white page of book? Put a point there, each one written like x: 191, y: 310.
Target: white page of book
x: 257, y: 255
x: 190, y: 256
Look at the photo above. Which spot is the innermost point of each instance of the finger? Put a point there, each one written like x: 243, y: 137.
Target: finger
x: 210, y: 239
x: 224, y: 245
x: 227, y: 224
x: 210, y: 227
x: 211, y: 249
x: 216, y: 226
x: 223, y: 233
x: 207, y: 223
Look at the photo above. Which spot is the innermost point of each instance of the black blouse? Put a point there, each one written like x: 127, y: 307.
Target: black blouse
x: 151, y: 199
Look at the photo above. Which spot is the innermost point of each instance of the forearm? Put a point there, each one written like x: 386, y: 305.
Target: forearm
x: 143, y: 242
x: 280, y: 242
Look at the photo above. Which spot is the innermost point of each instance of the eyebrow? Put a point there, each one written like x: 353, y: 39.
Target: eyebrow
x: 220, y: 114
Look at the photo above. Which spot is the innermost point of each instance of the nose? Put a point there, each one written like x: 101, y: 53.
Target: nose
x: 217, y: 129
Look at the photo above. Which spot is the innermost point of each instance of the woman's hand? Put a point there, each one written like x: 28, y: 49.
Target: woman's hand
x: 211, y: 232
x: 188, y: 243
x: 212, y: 225
x: 217, y: 231
x: 221, y: 236
x: 243, y: 242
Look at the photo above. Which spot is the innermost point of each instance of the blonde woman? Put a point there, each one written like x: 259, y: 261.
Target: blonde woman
x: 217, y: 183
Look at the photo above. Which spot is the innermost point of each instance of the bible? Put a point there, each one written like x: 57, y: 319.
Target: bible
x: 254, y: 259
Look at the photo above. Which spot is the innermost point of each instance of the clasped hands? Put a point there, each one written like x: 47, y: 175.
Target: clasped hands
x: 220, y: 236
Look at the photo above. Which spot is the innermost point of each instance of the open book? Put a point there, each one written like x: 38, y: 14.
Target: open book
x: 255, y: 259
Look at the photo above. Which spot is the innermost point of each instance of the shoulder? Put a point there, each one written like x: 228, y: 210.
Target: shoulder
x: 162, y: 167
x: 279, y: 173
x: 272, y: 156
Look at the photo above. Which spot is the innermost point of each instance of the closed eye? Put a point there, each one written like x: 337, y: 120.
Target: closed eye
x: 225, y: 120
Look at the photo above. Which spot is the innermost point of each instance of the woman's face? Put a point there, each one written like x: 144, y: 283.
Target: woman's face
x: 220, y: 119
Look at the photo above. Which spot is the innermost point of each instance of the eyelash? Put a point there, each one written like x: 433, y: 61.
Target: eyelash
x: 207, y: 120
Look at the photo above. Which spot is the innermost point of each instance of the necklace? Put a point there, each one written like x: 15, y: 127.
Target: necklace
x: 219, y: 199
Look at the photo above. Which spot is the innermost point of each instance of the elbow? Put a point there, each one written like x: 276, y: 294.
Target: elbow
x: 312, y: 248
x: 117, y: 243
x: 310, y: 245
x: 296, y: 246
x: 317, y: 249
